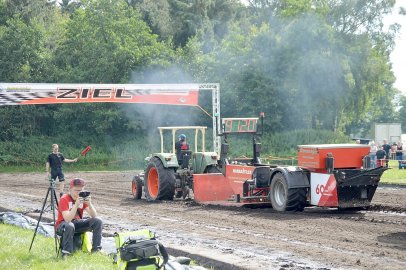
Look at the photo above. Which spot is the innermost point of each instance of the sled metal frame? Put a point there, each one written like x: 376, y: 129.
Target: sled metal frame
x: 215, y: 97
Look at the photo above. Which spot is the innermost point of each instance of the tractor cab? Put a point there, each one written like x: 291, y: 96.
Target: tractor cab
x: 194, y: 157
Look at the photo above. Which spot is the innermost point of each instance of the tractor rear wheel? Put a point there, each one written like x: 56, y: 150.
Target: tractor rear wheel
x: 285, y: 199
x: 136, y: 187
x: 159, y: 183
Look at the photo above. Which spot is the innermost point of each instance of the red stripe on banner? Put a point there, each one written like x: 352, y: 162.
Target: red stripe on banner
x: 329, y: 194
x: 189, y: 98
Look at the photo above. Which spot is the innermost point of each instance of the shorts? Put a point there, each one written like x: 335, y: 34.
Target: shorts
x: 57, y: 172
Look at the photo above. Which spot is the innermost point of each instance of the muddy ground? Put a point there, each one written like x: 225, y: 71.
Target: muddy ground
x: 239, y: 238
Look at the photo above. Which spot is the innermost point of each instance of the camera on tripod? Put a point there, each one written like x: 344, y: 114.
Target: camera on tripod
x: 84, y: 194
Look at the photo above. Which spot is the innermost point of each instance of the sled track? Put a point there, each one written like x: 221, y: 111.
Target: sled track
x: 238, y: 237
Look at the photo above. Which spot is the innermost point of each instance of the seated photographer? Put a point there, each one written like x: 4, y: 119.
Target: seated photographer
x: 70, y: 217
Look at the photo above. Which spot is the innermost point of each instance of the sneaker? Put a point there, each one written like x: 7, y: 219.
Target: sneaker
x: 65, y: 254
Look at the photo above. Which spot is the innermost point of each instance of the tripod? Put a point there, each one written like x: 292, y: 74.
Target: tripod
x: 54, y: 201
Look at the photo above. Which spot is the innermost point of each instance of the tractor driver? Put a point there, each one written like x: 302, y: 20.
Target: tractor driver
x: 180, y: 145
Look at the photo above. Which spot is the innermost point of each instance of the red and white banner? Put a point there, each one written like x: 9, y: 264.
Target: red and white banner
x: 36, y: 93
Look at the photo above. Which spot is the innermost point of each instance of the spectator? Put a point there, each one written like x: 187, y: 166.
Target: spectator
x: 386, y: 147
x: 380, y: 156
x: 399, y: 151
x: 393, y: 150
x: 372, y: 153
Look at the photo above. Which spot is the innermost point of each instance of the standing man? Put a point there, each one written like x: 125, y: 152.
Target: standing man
x: 387, y: 148
x: 399, y: 151
x: 372, y: 153
x: 380, y: 157
x: 70, y: 218
x: 55, y: 162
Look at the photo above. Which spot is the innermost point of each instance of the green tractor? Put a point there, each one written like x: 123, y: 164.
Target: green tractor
x: 168, y: 175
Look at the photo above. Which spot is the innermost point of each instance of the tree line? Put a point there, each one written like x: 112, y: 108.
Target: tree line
x: 307, y: 64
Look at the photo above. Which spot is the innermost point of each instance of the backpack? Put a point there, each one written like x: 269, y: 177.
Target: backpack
x: 139, y: 250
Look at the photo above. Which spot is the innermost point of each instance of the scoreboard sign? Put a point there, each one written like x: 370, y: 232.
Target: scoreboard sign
x: 239, y: 125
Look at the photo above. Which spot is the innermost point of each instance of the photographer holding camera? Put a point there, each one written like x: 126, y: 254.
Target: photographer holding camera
x: 70, y: 217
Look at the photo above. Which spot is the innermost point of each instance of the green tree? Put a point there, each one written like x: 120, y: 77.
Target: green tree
x: 402, y: 112
x: 104, y: 42
x: 304, y: 68
x: 69, y: 6
x: 179, y: 20
x: 157, y: 14
x: 29, y: 31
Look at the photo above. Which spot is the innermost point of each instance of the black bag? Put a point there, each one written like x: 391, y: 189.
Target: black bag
x: 136, y: 249
x: 139, y: 250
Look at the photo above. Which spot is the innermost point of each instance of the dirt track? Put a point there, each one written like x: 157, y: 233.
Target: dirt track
x: 239, y: 238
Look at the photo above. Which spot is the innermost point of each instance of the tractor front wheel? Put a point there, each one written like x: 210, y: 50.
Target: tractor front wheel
x: 136, y: 187
x: 285, y: 199
x: 159, y: 183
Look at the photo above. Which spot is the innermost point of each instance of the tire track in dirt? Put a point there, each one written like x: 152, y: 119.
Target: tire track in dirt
x: 247, y: 238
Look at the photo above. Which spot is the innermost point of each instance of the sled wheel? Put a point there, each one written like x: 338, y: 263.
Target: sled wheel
x: 136, y: 187
x: 159, y: 181
x: 285, y: 199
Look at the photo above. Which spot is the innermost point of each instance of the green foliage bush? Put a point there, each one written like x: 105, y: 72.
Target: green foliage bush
x: 284, y: 144
x: 129, y: 153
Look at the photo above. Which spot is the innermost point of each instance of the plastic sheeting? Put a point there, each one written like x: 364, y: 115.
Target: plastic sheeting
x: 25, y: 222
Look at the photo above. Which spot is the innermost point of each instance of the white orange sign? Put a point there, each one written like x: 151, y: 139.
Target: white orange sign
x: 323, y: 190
x: 237, y: 175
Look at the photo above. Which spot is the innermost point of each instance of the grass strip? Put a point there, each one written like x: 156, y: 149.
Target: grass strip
x: 15, y: 243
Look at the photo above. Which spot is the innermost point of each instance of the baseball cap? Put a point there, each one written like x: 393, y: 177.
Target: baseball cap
x: 182, y: 136
x: 77, y: 182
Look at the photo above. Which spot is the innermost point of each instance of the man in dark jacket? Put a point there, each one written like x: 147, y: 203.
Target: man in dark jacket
x: 380, y: 157
x: 387, y: 148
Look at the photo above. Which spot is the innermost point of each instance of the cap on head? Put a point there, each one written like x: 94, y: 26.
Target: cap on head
x: 182, y: 136
x: 77, y: 182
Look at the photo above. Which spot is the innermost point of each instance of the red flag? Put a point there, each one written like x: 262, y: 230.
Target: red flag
x: 87, y: 149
